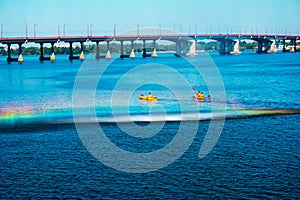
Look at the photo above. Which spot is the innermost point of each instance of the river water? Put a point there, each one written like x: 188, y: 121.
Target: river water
x: 255, y: 155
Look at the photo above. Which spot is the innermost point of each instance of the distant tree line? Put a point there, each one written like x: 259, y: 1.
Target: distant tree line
x: 249, y: 46
x: 115, y: 48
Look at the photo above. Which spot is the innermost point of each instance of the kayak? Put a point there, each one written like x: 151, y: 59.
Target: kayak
x: 146, y: 98
x: 143, y: 97
x: 200, y: 98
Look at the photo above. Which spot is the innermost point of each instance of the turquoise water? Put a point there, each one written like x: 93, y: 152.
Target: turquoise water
x: 34, y: 91
x: 43, y: 156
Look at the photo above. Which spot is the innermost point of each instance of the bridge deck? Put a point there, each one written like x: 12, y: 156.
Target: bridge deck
x: 6, y: 40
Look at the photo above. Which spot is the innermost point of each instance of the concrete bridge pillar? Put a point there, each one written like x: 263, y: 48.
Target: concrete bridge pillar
x: 192, y: 49
x: 52, y: 57
x: 108, y: 56
x: 132, y: 55
x: 42, y: 57
x: 283, y: 46
x: 71, y: 57
x: 259, y: 47
x: 132, y: 44
x: 295, y: 44
x: 122, y: 48
x: 144, y: 49
x: 272, y: 48
x: 178, y: 47
x: 20, y: 59
x: 236, y: 47
x: 226, y: 46
x: 292, y: 44
x: 97, y: 50
x: 223, y: 47
x: 185, y: 47
x: 42, y: 52
x: 132, y: 50
x: 229, y: 46
x: 9, y: 59
x: 154, y: 54
x: 293, y: 48
x: 81, y: 57
x: 263, y: 45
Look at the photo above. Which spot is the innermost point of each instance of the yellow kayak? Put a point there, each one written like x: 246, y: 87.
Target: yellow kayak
x: 146, y: 98
x: 200, y: 98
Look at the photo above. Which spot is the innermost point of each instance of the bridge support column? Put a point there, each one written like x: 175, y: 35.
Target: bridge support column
x: 259, y: 47
x: 293, y: 48
x: 284, y: 46
x: 132, y: 50
x: 229, y: 46
x: 154, y: 54
x: 192, y: 50
x: 144, y: 44
x: 263, y: 45
x: 223, y: 47
x: 178, y: 48
x: 236, y: 47
x: 185, y: 47
x: 20, y: 59
x: 42, y: 57
x: 42, y: 52
x: 52, y: 57
x: 296, y: 49
x: 122, y: 49
x: 226, y: 46
x: 122, y: 55
x: 81, y: 57
x: 108, y: 56
x: 272, y: 48
x: 9, y: 58
x: 71, y: 57
x: 132, y: 44
x: 144, y: 49
x: 97, y: 50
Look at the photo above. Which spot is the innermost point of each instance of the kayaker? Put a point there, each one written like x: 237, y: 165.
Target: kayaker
x: 201, y: 95
x: 149, y: 95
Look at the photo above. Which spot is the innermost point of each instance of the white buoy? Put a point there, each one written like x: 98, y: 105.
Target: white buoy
x: 154, y: 54
x: 132, y: 54
x: 108, y: 56
x: 52, y: 57
x: 20, y: 59
x: 81, y: 57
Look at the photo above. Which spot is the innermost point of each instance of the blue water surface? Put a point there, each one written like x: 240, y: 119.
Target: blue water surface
x: 255, y: 157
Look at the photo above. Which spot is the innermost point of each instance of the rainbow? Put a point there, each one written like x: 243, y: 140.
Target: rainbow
x: 18, y: 116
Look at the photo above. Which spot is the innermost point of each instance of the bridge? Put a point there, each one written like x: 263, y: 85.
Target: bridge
x: 185, y: 43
